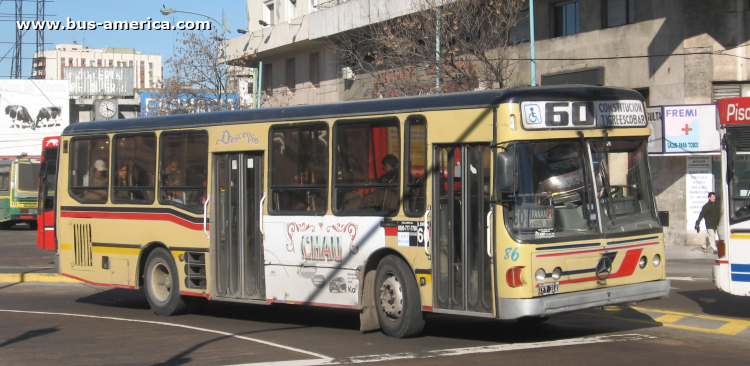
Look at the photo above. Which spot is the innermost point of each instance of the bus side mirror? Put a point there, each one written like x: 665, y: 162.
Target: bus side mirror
x: 664, y: 218
x: 505, y: 172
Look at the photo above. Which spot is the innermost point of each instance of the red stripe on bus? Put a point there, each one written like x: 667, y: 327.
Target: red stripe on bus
x: 391, y: 231
x: 134, y: 216
x: 271, y: 301
x: 27, y: 217
x: 627, y: 268
x: 595, y: 250
x: 722, y: 262
x: 99, y: 284
x: 426, y: 308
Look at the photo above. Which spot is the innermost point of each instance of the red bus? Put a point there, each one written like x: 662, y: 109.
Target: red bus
x: 45, y: 238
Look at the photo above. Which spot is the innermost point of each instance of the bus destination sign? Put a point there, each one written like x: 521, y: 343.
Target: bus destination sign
x: 571, y: 115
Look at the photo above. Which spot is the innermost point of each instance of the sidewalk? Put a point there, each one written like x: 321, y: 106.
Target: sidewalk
x: 687, y: 252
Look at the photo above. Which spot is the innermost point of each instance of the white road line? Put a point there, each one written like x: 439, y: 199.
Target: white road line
x: 691, y: 279
x: 308, y: 362
x: 497, y: 348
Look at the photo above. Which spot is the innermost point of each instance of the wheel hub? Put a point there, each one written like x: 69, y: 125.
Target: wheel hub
x: 391, y: 297
x: 161, y: 282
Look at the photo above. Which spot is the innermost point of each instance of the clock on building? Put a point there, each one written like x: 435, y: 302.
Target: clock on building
x: 105, y: 109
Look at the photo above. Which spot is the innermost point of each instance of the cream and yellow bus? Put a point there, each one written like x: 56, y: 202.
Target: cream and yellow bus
x: 506, y: 204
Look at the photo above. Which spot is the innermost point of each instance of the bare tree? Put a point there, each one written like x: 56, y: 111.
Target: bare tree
x: 197, y: 76
x: 444, y: 46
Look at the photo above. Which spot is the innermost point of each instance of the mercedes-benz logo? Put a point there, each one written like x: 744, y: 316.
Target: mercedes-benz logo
x: 604, y: 268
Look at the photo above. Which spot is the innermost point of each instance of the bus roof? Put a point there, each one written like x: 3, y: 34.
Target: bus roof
x: 415, y: 104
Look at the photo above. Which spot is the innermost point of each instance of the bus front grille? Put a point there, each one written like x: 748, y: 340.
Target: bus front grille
x: 82, y: 245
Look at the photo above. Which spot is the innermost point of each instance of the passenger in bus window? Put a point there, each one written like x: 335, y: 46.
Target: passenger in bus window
x: 384, y: 199
x: 97, y: 178
x: 122, y: 181
x: 390, y: 165
x: 172, y: 174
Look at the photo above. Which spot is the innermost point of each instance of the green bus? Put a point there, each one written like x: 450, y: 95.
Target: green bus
x: 19, y: 180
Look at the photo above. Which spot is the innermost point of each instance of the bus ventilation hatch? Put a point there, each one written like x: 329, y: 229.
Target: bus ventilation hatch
x: 195, y: 270
x: 82, y: 249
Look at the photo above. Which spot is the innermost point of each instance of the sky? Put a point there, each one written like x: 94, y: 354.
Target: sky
x: 159, y: 42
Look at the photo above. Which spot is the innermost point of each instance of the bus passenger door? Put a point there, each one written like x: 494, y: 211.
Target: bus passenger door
x: 237, y: 244
x: 462, y: 270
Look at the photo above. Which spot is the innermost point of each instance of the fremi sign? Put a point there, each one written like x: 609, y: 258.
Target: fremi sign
x: 734, y: 110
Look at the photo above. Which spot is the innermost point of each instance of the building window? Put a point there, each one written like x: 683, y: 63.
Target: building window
x: 70, y: 62
x: 291, y: 81
x: 521, y: 32
x: 315, y: 69
x: 83, y: 62
x: 111, y: 63
x: 99, y: 62
x: 268, y: 79
x: 62, y: 67
x: 291, y: 9
x: 567, y: 19
x: 268, y: 12
x: 620, y: 12
x: 130, y: 63
x: 313, y: 6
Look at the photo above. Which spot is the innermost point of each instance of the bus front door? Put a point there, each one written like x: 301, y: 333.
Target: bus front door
x: 461, y: 265
x: 238, y: 251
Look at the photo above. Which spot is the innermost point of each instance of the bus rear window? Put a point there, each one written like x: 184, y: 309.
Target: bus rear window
x: 28, y: 176
x: 89, y: 169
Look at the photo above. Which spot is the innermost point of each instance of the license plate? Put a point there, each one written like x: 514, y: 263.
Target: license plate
x: 548, y: 288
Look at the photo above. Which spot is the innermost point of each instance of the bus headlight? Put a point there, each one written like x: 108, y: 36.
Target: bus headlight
x: 540, y: 275
x: 642, y: 262
x: 657, y: 260
x: 557, y: 273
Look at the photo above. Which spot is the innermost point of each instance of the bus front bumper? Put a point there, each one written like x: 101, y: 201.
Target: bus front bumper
x: 562, y: 303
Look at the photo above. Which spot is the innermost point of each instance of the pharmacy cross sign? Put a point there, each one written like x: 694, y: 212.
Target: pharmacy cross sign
x: 686, y: 129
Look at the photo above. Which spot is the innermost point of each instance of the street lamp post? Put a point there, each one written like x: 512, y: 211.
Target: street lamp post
x: 167, y: 11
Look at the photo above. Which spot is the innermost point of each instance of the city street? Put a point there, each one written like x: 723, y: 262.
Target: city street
x: 76, y: 324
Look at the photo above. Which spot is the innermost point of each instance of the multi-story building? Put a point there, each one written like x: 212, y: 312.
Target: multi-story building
x: 676, y: 53
x: 51, y: 64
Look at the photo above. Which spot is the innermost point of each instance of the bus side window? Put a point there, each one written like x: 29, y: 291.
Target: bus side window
x: 134, y: 169
x: 367, y: 165
x: 415, y: 166
x: 4, y: 179
x: 183, y: 169
x: 299, y: 168
x: 89, y: 169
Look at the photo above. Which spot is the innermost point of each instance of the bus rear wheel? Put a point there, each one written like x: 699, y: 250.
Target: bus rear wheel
x: 163, y: 284
x: 397, y: 299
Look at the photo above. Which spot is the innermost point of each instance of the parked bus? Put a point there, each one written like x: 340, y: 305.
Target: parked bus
x: 732, y: 269
x: 18, y: 184
x: 45, y: 235
x: 506, y: 204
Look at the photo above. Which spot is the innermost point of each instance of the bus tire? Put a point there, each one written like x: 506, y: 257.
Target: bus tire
x: 397, y: 300
x: 532, y: 319
x: 163, y: 284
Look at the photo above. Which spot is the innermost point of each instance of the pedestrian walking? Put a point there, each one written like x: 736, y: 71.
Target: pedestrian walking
x: 711, y: 213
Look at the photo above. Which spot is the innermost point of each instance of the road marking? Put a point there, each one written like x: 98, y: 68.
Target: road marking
x: 322, y: 358
x: 491, y: 349
x: 690, y: 279
x: 669, y: 318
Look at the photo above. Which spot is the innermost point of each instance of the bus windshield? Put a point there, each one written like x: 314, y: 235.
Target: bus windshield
x: 623, y: 188
x: 558, y: 192
x: 28, y: 175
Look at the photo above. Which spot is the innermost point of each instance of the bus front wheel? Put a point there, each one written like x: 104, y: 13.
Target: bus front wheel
x: 397, y: 299
x: 162, y: 284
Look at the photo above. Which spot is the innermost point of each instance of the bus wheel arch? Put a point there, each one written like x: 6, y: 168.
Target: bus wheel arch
x: 143, y: 257
x: 390, y: 296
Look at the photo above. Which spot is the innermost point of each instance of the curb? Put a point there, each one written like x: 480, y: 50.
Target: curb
x: 35, y: 277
